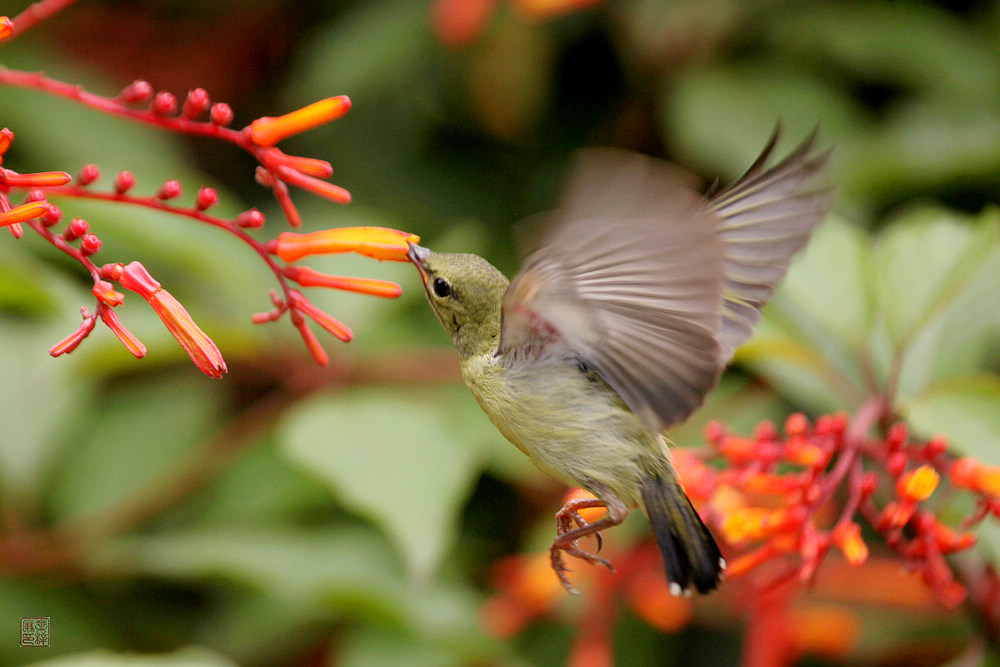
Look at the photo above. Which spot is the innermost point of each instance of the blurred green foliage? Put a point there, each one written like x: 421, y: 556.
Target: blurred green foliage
x: 291, y: 515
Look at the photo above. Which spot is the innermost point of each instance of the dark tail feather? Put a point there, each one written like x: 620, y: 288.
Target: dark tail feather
x: 689, y: 551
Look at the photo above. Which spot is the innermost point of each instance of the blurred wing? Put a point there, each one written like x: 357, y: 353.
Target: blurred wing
x: 766, y: 217
x: 628, y: 278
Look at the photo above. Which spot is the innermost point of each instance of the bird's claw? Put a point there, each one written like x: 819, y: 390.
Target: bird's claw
x: 571, y: 549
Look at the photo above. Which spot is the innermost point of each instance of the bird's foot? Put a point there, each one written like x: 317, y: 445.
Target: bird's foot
x: 567, y: 538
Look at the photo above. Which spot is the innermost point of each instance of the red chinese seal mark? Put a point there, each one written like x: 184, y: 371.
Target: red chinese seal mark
x: 35, y: 631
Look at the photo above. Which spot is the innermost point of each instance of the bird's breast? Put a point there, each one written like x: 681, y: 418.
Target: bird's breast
x: 566, y: 419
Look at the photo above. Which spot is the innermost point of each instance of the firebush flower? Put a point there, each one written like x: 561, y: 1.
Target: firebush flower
x: 196, y: 343
x: 376, y: 242
x: 139, y: 101
x: 779, y: 502
x: 267, y: 131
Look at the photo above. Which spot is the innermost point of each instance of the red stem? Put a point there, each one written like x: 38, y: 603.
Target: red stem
x: 159, y: 205
x: 38, y: 12
x: 38, y: 81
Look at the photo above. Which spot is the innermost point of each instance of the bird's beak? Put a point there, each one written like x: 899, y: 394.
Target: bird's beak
x: 417, y: 254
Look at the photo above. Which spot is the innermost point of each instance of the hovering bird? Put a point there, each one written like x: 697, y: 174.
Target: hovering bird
x: 618, y: 325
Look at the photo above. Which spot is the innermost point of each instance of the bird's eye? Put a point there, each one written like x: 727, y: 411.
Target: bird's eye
x: 441, y: 287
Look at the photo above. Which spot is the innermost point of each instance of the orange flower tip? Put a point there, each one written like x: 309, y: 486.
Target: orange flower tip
x: 847, y: 536
x: 202, y: 349
x: 380, y: 243
x: 918, y: 484
x: 268, y: 131
x: 41, y: 179
x: 6, y: 28
x: 797, y: 425
x: 6, y: 139
x: 306, y: 165
x: 334, y: 193
x: 24, y: 213
x: 107, y: 295
x: 128, y: 339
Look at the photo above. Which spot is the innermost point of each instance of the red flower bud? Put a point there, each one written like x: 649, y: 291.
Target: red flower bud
x: 896, y: 437
x: 124, y: 182
x: 250, y: 218
x: 195, y: 103
x: 221, y: 114
x: 76, y: 228
x: 52, y: 215
x: 169, y: 190
x: 89, y: 244
x: 164, y: 104
x: 137, y: 92
x: 88, y: 174
x: 206, y: 198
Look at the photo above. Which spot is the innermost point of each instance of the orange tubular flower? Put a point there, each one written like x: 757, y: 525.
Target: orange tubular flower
x: 267, y: 131
x: 335, y: 327
x: 334, y: 193
x: 375, y: 242
x: 24, y: 213
x: 307, y: 277
x: 847, y: 536
x: 918, y: 484
x: 42, y: 179
x: 133, y: 344
x: 969, y: 473
x: 202, y: 350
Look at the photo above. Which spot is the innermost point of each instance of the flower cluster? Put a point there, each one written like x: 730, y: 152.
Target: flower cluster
x: 802, y: 492
x: 779, y: 502
x: 196, y: 115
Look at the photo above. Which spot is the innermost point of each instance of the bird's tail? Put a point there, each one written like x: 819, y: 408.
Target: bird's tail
x: 690, y: 554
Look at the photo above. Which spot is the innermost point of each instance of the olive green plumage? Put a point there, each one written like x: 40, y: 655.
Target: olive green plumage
x: 619, y: 324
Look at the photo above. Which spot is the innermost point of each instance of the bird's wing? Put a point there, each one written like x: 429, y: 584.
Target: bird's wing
x: 766, y: 217
x: 629, y: 278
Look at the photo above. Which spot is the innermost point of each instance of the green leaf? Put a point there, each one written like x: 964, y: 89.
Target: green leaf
x: 343, y: 567
x: 922, y: 261
x: 721, y: 115
x: 937, y: 276
x: 810, y: 341
x: 136, y: 434
x: 41, y: 399
x: 392, y: 457
x: 191, y: 656
x: 963, y: 410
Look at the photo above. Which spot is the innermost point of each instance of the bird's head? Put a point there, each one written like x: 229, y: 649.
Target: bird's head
x: 466, y: 292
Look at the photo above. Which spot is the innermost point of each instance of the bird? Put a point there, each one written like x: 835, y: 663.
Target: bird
x: 630, y: 303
